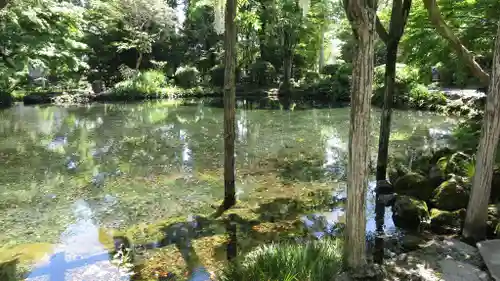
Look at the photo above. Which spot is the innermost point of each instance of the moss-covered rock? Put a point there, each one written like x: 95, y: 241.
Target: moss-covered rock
x: 409, y: 212
x: 451, y: 195
x: 447, y: 222
x: 397, y: 172
x: 413, y: 184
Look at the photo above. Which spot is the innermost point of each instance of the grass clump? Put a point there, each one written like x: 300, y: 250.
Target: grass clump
x: 312, y: 261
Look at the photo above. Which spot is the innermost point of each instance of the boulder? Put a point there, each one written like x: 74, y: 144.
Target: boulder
x: 396, y: 172
x: 409, y: 212
x: 436, y: 176
x: 413, y: 184
x: 451, y: 195
x: 445, y: 222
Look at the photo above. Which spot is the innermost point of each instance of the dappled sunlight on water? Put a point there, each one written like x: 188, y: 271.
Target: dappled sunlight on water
x: 68, y: 173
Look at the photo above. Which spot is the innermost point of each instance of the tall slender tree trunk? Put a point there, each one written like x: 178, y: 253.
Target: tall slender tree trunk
x: 321, y: 62
x: 361, y: 14
x: 385, y: 122
x: 477, y: 210
x: 399, y: 16
x: 139, y: 61
x: 287, y: 61
x: 229, y: 104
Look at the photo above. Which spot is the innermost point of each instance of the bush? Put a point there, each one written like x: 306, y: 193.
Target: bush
x: 217, y: 76
x: 313, y: 261
x: 147, y: 83
x: 333, y: 69
x: 186, y: 76
x: 408, y: 92
x: 262, y: 73
x: 311, y: 76
x: 333, y: 88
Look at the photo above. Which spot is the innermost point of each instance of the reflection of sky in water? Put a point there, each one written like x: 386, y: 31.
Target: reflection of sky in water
x: 242, y: 126
x: 79, y: 255
x: 321, y: 224
x: 57, y: 143
x: 334, y: 154
x: 187, y: 163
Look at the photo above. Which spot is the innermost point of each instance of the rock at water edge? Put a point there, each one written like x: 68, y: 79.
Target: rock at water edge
x: 490, y: 251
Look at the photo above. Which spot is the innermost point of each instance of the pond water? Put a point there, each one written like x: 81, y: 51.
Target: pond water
x: 67, y: 174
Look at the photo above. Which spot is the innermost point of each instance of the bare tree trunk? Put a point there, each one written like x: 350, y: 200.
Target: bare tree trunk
x: 399, y: 16
x: 287, y: 61
x: 477, y: 210
x: 445, y: 31
x: 321, y: 62
x: 229, y: 104
x: 361, y: 14
x: 139, y: 61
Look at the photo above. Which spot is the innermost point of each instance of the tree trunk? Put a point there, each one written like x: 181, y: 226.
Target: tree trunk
x: 287, y: 61
x: 139, y: 61
x: 361, y: 15
x: 321, y: 62
x: 399, y: 16
x: 229, y: 104
x: 385, y: 119
x: 445, y: 31
x: 477, y: 210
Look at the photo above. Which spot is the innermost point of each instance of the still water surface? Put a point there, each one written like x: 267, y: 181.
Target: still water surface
x: 66, y: 173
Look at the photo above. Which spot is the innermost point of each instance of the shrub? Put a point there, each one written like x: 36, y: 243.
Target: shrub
x: 217, y: 76
x: 147, y: 83
x: 187, y: 76
x: 262, y: 73
x: 313, y: 261
x: 331, y: 69
x: 311, y: 76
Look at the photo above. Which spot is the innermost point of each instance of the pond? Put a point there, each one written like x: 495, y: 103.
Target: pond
x: 69, y: 176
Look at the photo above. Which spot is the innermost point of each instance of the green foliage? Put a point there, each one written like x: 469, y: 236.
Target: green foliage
x: 217, y: 76
x: 474, y: 22
x: 408, y: 92
x: 45, y: 34
x: 262, y: 73
x: 330, y: 69
x: 312, y: 261
x: 187, y: 76
x: 148, y: 83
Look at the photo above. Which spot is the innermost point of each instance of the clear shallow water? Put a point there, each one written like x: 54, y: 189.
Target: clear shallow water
x: 65, y: 173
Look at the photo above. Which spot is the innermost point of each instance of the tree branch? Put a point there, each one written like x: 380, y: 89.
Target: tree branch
x: 382, y: 33
x: 445, y: 31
